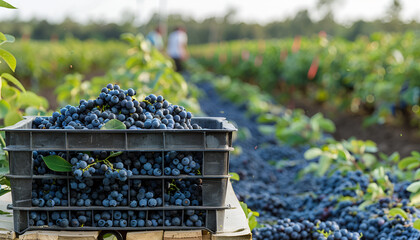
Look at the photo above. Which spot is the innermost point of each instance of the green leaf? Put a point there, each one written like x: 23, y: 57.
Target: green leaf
x: 12, y: 117
x: 417, y: 174
x: 113, y: 124
x: 114, y: 154
x: 30, y: 99
x: 394, y: 157
x: 324, y: 165
x: 4, y: 108
x: 8, y: 58
x: 6, y: 5
x: 397, y: 211
x: 10, y: 38
x: 369, y: 159
x: 234, y: 176
x: 415, y: 154
x: 109, y: 236
x: 416, y: 224
x: 414, y: 187
x: 267, y: 118
x: 6, y: 38
x: 327, y: 125
x: 57, y: 163
x: 2, y: 192
x: 244, y: 207
x: 312, y: 153
x: 266, y: 129
x: 13, y: 80
x: 415, y: 199
x: 4, y: 171
x: 405, y: 162
x: 252, y: 222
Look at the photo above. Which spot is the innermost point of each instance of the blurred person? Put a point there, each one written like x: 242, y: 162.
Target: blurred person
x: 177, y: 47
x: 155, y: 37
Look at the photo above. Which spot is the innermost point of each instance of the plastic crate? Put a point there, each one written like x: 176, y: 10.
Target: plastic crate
x: 214, y: 142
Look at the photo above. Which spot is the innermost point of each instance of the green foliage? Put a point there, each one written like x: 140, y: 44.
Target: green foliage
x: 380, y: 188
x: 45, y: 64
x: 57, y: 163
x: 291, y: 127
x: 376, y: 73
x: 347, y: 155
x: 416, y: 224
x: 397, y: 211
x: 298, y: 129
x: 410, y: 165
x: 234, y: 176
x: 5, y: 55
x: 236, y: 91
x: 113, y: 124
x: 15, y: 101
x: 251, y: 216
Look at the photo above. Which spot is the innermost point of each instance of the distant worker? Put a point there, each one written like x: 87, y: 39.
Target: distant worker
x: 177, y: 47
x: 155, y: 37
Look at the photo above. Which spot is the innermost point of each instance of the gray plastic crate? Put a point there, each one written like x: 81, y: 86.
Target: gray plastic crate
x: 214, y: 141
x: 216, y: 135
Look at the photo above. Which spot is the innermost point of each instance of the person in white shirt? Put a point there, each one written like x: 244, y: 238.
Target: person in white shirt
x: 155, y: 37
x: 177, y: 47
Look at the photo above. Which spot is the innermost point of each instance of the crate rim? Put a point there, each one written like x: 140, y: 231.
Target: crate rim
x: 228, y: 127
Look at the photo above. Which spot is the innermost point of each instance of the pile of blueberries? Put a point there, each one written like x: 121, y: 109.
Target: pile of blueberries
x: 308, y: 207
x: 114, y: 187
x: 153, y: 112
x: 116, y: 218
x: 96, y: 182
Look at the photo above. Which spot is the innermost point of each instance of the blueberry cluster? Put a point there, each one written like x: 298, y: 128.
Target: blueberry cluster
x: 148, y: 164
x: 95, y: 192
x: 113, y: 187
x: 49, y: 193
x: 104, y: 219
x: 194, y: 218
x: 154, y: 112
x: 375, y: 224
x: 174, y: 218
x: 343, y: 184
x: 59, y: 218
x: 305, y: 230
x: 146, y: 193
x: 38, y: 219
x: 180, y: 163
x: 184, y: 192
x: 138, y: 219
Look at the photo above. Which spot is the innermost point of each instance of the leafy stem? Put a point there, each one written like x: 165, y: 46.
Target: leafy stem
x: 106, y: 161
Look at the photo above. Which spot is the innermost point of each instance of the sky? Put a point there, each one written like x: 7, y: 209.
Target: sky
x: 262, y: 11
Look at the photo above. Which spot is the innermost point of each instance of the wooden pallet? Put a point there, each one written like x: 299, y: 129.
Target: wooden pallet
x: 235, y: 227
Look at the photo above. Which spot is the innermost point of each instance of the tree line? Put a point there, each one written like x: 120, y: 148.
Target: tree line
x: 213, y: 29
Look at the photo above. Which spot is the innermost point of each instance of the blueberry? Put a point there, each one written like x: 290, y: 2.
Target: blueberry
x: 157, y: 172
x: 133, y: 204
x: 152, y: 202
